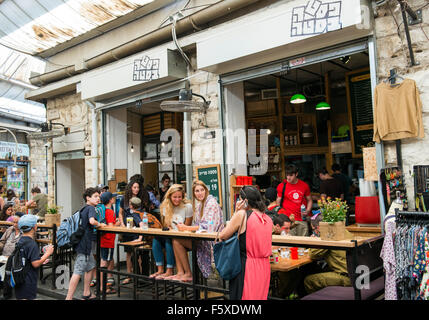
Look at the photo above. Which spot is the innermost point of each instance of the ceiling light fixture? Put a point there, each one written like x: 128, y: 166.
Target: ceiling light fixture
x: 323, y: 106
x: 297, y: 98
x: 345, y: 59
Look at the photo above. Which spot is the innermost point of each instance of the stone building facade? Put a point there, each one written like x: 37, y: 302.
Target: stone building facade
x: 393, y: 52
x: 69, y: 107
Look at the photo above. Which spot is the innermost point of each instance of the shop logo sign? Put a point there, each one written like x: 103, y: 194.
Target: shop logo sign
x: 146, y: 69
x: 316, y: 17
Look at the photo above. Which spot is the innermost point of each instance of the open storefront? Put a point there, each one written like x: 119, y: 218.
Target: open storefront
x: 331, y: 122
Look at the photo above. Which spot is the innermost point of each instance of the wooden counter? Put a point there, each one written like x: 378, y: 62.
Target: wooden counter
x: 364, y: 231
x: 288, y: 264
x: 276, y: 239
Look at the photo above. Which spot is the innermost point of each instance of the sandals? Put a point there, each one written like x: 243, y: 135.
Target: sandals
x: 110, y: 282
x: 127, y: 281
x: 110, y: 291
x: 89, y: 297
x: 93, y: 283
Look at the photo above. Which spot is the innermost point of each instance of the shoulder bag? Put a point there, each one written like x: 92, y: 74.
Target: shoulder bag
x: 227, y: 256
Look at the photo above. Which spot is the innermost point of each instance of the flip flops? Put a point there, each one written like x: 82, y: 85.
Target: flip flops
x: 110, y: 282
x: 88, y: 297
x: 127, y: 281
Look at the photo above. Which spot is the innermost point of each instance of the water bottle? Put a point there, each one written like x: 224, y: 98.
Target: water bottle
x: 303, y: 211
x: 145, y: 221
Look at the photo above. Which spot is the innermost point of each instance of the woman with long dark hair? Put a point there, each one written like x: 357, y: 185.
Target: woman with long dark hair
x: 134, y: 189
x: 254, y: 228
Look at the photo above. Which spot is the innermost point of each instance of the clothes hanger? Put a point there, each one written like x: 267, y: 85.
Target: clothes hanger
x: 393, y: 77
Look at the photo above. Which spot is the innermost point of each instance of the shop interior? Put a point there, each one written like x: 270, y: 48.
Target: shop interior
x: 331, y: 126
x: 145, y: 121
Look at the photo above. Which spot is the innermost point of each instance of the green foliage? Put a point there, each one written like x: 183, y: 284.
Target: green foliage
x: 54, y: 209
x: 333, y: 210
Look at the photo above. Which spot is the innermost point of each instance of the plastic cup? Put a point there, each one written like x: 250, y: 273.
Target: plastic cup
x: 294, y: 253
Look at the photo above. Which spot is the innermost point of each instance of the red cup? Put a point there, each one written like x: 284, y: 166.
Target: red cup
x: 249, y: 181
x: 238, y: 181
x: 294, y: 253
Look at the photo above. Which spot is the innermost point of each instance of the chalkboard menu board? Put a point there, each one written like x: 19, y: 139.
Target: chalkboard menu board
x: 360, y: 109
x: 210, y: 175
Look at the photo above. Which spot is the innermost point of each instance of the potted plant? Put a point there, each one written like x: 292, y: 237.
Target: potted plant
x: 53, y: 215
x: 332, y: 226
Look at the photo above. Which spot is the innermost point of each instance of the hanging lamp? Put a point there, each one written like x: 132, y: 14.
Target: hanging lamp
x: 323, y: 105
x: 297, y: 98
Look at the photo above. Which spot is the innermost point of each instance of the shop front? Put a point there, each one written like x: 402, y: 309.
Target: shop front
x: 324, y: 56
x: 133, y: 123
x: 15, y: 175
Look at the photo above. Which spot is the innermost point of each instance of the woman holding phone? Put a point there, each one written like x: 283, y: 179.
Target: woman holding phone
x: 175, y: 210
x: 254, y: 228
x: 207, y: 218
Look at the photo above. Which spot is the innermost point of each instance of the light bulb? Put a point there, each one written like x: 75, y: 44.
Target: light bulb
x: 132, y: 148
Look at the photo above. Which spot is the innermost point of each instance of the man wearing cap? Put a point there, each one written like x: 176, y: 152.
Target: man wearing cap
x: 28, y: 226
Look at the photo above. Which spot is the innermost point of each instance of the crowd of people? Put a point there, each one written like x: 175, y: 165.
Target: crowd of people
x: 285, y: 209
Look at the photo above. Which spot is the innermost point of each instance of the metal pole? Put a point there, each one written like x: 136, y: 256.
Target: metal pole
x: 187, y: 146
x: 406, y: 7
x: 407, y: 31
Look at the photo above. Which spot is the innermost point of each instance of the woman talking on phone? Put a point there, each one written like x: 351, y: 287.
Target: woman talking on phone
x: 254, y: 228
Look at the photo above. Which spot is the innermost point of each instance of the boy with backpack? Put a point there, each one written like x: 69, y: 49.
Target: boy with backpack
x: 85, y: 262
x: 24, y: 277
x: 107, y: 241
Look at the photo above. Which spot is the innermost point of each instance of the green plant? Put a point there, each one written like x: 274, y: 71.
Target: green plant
x: 54, y: 209
x: 333, y: 210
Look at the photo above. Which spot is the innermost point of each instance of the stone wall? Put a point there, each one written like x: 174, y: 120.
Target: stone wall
x: 205, y: 150
x: 38, y: 164
x: 73, y: 113
x: 392, y: 52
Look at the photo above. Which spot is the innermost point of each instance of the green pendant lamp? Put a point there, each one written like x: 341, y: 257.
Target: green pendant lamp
x: 298, y: 98
x: 323, y: 106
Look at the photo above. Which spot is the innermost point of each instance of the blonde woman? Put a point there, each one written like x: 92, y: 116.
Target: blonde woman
x: 175, y: 210
x: 207, y: 218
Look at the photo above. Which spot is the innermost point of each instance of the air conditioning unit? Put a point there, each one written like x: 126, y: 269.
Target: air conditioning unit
x: 268, y: 94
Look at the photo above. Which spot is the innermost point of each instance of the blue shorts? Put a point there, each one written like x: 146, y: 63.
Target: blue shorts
x: 107, y: 254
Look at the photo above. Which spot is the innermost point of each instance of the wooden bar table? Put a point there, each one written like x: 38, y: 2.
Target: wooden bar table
x: 154, y: 232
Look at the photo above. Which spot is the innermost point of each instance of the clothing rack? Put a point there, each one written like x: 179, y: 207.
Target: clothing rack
x: 404, y: 216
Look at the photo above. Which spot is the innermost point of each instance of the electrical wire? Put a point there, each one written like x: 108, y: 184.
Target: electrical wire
x: 173, y: 32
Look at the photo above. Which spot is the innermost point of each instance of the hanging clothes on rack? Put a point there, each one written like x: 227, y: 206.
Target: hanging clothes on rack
x: 397, y: 111
x: 411, y: 256
x: 388, y: 255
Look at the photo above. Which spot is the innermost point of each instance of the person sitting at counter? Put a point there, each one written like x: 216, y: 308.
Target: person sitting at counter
x: 292, y: 193
x: 329, y: 186
x: 336, y: 275
x: 282, y: 223
x: 175, y: 210
x: 207, y: 218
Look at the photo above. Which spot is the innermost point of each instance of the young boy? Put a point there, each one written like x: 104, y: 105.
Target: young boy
x: 107, y: 241
x: 85, y: 262
x: 28, y: 226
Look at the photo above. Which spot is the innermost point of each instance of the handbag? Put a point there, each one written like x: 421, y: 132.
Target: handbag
x: 227, y: 256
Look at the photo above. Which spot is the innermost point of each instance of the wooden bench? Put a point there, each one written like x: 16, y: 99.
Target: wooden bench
x: 367, y: 255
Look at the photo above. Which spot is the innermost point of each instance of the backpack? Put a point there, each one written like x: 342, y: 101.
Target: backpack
x: 273, y: 213
x: 100, y: 211
x: 67, y: 228
x: 17, y: 267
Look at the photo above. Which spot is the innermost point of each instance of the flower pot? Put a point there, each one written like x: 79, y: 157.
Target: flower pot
x: 51, y: 219
x: 332, y: 231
